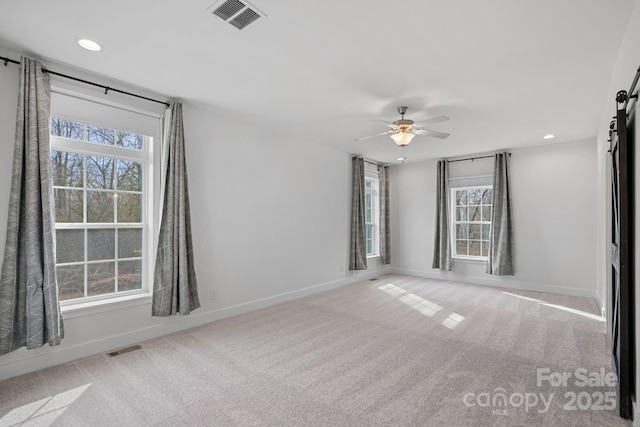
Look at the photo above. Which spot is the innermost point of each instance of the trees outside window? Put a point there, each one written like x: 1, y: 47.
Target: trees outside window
x: 100, y: 201
x: 471, y: 220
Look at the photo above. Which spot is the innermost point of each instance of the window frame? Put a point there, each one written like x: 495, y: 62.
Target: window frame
x: 374, y: 223
x: 453, y: 221
x: 149, y: 158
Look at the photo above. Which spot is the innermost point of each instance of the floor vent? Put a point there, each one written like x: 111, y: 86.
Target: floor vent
x: 235, y: 12
x: 373, y: 280
x: 124, y: 350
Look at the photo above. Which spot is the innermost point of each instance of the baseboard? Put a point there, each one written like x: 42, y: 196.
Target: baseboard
x: 33, y: 360
x: 500, y: 282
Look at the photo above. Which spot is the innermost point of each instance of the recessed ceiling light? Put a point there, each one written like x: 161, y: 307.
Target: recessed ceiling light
x: 550, y: 136
x: 89, y: 45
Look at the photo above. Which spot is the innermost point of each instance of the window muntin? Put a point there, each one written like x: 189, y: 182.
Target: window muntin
x: 371, y: 216
x: 99, y: 180
x: 471, y: 221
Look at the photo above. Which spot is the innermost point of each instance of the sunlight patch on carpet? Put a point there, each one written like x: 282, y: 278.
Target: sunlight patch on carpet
x: 44, y: 411
x: 452, y: 321
x: 420, y: 304
x: 392, y: 290
x: 560, y: 307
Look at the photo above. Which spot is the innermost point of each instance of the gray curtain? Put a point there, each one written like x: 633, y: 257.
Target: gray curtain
x: 29, y: 308
x: 442, y: 241
x: 500, y: 260
x: 175, y: 289
x: 358, y: 253
x: 385, y: 227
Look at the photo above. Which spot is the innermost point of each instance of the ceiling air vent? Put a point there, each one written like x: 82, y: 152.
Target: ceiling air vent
x: 235, y: 12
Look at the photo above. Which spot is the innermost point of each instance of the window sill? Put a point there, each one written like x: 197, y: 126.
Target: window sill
x: 469, y: 260
x: 93, y: 307
x: 373, y: 256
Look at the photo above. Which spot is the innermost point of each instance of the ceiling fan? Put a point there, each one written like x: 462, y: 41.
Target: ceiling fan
x: 403, y: 130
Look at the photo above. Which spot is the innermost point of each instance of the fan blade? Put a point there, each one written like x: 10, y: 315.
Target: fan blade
x: 432, y: 133
x: 373, y: 136
x: 385, y: 123
x: 436, y: 119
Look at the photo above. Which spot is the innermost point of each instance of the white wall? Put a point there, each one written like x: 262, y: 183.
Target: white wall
x: 270, y: 218
x: 554, y: 218
x: 628, y: 61
x: 271, y: 213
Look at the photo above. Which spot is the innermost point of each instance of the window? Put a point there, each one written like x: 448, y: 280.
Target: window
x: 371, y: 216
x: 101, y: 185
x: 471, y: 220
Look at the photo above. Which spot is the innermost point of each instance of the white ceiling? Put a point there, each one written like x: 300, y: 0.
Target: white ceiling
x: 507, y: 72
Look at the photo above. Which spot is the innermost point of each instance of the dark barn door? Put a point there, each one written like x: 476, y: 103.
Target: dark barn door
x: 622, y: 255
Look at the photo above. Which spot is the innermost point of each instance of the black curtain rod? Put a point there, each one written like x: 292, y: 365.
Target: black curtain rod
x: 474, y: 158
x: 106, y: 88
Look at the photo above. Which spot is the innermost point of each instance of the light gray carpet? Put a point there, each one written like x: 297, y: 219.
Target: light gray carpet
x: 399, y: 351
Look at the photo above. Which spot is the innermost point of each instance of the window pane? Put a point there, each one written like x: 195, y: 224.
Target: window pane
x: 129, y: 275
x: 369, y: 238
x: 473, y: 206
x: 68, y: 205
x: 130, y: 243
x: 101, y: 244
x: 474, y: 247
x: 129, y: 140
x: 474, y: 197
x: 474, y: 231
x: 99, y: 135
x: 129, y: 175
x: 486, y: 228
x: 101, y: 278
x: 368, y: 183
x: 70, y: 281
x: 69, y: 246
x: 486, y: 213
x: 67, y: 129
x: 66, y: 168
x: 129, y: 207
x: 100, y: 172
x: 99, y: 206
x: 462, y: 231
x: 474, y: 213
x: 461, y: 197
x: 367, y: 208
x: 486, y: 196
x: 91, y: 188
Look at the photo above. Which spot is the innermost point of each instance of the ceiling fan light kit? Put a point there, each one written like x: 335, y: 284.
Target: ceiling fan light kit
x: 404, y: 130
x: 402, y: 138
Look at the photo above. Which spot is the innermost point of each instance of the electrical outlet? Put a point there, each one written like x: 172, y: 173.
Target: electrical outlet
x: 213, y: 294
